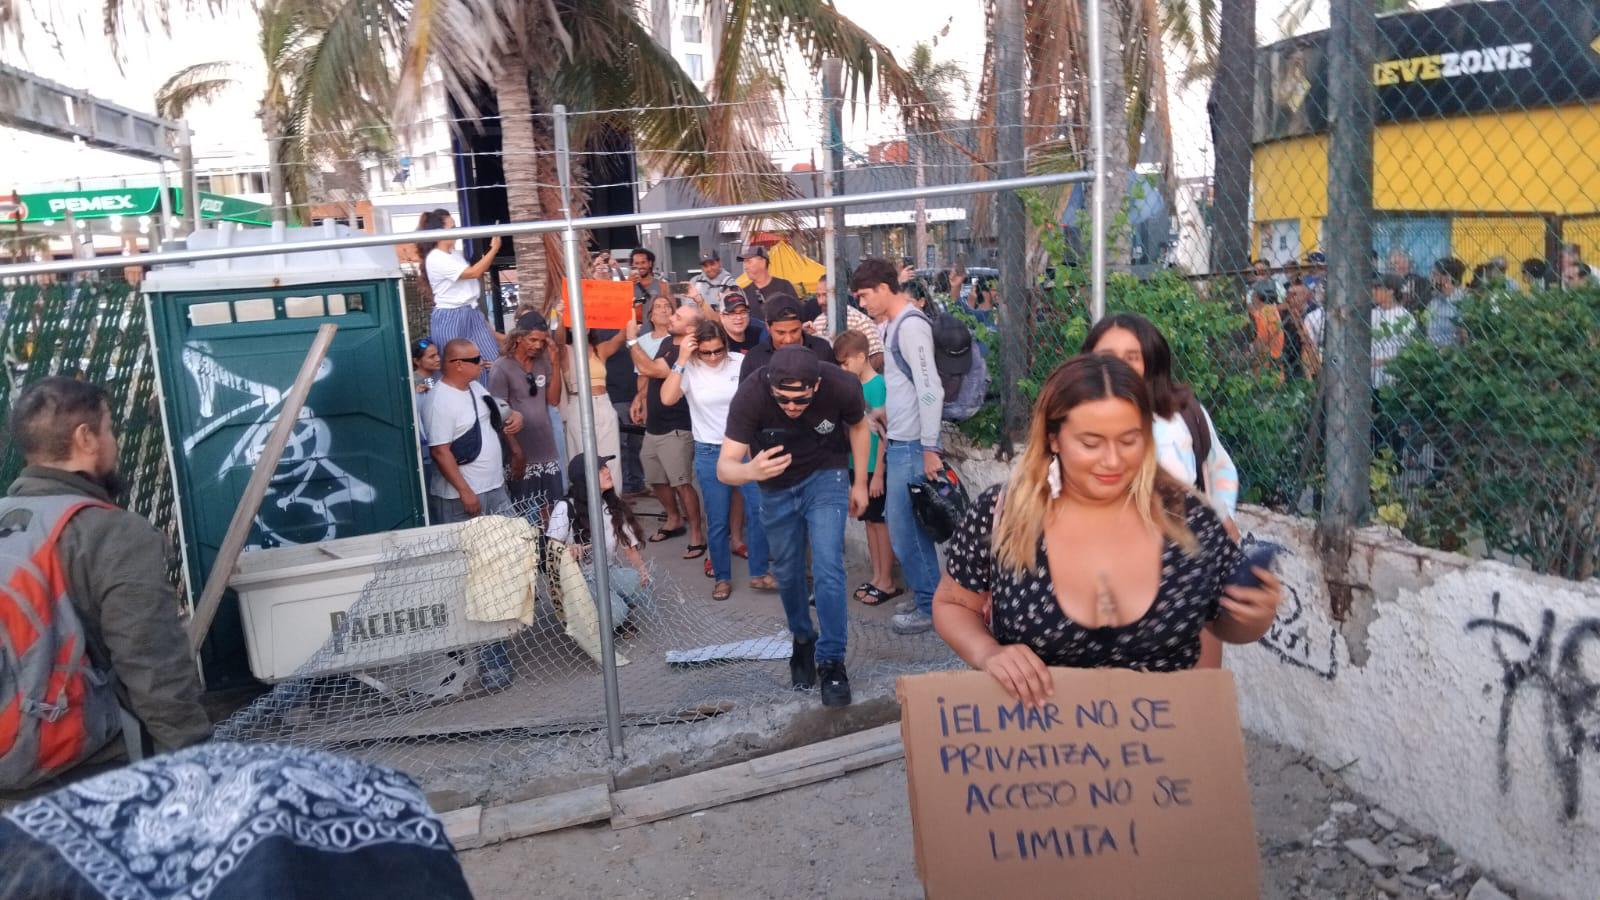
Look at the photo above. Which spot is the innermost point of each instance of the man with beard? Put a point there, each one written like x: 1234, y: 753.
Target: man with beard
x: 112, y: 564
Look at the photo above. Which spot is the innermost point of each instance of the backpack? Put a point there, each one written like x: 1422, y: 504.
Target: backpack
x: 56, y: 708
x: 963, y: 394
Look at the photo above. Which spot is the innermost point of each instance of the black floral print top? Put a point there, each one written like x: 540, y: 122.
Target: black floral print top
x: 1025, y: 610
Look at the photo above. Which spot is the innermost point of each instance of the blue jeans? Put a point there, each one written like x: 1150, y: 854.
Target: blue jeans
x: 718, y: 501
x: 919, y: 558
x: 814, y: 510
x: 631, y: 440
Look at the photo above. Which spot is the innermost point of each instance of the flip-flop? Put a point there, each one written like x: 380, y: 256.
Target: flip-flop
x: 875, y: 595
x: 741, y: 550
x: 722, y: 591
x: 862, y: 589
x: 694, y: 551
x: 709, y: 573
x: 665, y: 533
x: 764, y: 583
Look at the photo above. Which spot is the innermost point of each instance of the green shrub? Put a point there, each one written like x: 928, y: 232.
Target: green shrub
x: 1513, y: 419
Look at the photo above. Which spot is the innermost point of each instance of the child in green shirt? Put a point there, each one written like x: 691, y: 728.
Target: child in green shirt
x: 850, y: 350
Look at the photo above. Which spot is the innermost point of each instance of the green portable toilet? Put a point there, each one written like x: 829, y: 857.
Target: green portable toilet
x: 229, y: 336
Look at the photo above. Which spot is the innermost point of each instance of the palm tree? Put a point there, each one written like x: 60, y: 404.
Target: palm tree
x: 305, y: 48
x: 935, y: 80
x: 1056, y: 100
x: 597, y: 56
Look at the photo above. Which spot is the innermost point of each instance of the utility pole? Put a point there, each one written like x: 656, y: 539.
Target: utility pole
x: 1347, y: 366
x: 1011, y: 227
x: 833, y: 186
x: 191, y: 185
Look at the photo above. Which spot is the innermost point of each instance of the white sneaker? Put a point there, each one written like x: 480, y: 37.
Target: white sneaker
x: 913, y: 622
x: 909, y: 604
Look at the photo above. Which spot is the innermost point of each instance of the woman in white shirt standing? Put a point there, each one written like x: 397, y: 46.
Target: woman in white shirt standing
x: 708, y: 375
x: 1136, y: 341
x: 456, y: 291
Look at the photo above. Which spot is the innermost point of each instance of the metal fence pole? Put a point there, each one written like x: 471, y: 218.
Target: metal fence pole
x: 1097, y: 160
x: 591, y: 451
x: 833, y: 183
x: 1347, y: 236
x: 1011, y: 224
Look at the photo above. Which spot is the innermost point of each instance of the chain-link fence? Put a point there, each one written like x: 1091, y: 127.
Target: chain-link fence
x: 1472, y: 295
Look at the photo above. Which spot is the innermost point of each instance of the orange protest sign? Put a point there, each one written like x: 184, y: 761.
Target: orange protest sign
x: 1126, y: 785
x: 606, y: 304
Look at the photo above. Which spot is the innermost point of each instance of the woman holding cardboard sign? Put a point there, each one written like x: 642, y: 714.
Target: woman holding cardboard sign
x: 1091, y: 555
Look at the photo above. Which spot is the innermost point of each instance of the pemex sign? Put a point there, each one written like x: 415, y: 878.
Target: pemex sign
x: 84, y: 204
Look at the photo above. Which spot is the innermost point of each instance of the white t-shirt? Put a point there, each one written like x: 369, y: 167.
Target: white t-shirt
x: 449, y: 412
x: 709, y: 390
x: 450, y: 290
x: 1392, y: 329
x: 560, y: 527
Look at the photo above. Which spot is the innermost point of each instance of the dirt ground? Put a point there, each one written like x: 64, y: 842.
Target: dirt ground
x: 851, y: 838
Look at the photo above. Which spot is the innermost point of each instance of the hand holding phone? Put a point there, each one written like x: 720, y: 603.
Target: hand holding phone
x: 1258, y: 556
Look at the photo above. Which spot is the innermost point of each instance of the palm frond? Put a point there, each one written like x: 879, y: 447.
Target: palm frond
x: 199, y: 83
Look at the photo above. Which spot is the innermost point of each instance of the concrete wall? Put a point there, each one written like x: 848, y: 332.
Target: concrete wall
x: 1462, y: 695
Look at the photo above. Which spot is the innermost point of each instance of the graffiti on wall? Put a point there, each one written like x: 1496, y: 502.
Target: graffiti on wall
x: 1558, y: 667
x: 303, y: 496
x: 1298, y: 637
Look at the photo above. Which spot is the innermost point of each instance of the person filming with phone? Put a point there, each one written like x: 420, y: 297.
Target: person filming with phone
x: 1091, y: 555
x: 805, y: 422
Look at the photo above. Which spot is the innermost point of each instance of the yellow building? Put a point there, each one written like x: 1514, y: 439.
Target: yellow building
x: 1486, y: 142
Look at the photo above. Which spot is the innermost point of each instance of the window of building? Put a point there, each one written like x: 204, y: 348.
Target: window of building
x: 691, y: 29
x: 694, y: 64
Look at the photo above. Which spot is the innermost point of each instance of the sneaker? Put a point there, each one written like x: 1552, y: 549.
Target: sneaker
x: 913, y: 622
x: 907, y: 605
x: 803, y: 665
x: 835, y: 683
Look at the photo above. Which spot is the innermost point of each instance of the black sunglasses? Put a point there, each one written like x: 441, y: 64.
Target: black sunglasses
x: 470, y: 360
x: 711, y: 354
x: 786, y: 400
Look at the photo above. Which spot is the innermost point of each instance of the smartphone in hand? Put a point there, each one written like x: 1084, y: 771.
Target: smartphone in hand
x: 1258, y: 556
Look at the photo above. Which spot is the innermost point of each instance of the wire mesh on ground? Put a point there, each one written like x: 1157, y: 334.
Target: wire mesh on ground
x: 470, y: 658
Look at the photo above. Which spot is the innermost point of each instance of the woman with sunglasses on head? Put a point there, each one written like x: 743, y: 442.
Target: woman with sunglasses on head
x: 457, y: 293
x: 1092, y: 555
x: 526, y: 379
x: 707, y: 373
x: 425, y: 365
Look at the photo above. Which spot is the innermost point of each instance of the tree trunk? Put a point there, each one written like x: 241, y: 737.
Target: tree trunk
x: 1232, y: 92
x: 1118, y: 244
x: 526, y: 145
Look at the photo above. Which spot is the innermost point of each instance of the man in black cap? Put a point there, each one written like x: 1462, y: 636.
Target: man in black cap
x: 762, y: 286
x: 785, y: 328
x: 712, y: 284
x: 805, y: 422
x: 744, y: 333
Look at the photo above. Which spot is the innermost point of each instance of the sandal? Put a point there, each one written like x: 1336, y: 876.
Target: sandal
x: 764, y: 583
x: 709, y: 573
x: 694, y: 551
x: 665, y: 533
x: 862, y: 589
x: 872, y: 595
x: 722, y: 591
x: 741, y: 550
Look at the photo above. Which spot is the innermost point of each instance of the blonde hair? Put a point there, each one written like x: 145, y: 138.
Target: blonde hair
x: 1025, y: 502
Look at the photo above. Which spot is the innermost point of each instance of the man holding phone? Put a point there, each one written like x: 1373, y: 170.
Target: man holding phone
x: 805, y: 422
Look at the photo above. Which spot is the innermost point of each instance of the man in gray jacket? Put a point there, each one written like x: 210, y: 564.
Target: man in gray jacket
x: 115, y: 562
x: 914, y: 407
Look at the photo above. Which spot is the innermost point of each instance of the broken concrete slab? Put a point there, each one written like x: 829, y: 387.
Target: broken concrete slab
x: 1368, y: 852
x: 1485, y: 889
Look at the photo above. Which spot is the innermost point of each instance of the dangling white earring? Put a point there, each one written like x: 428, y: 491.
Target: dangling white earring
x: 1054, y: 477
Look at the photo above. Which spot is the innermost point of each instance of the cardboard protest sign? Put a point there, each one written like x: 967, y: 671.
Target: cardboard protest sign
x: 1125, y: 785
x: 606, y: 304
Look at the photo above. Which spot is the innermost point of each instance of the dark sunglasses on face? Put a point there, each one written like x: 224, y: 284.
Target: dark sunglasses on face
x: 792, y: 400
x: 712, y: 353
x: 469, y: 360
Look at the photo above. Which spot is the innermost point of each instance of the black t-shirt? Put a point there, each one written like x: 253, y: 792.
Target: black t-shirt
x: 818, y: 439
x: 757, y: 297
x: 758, y: 356
x: 753, y: 335
x: 660, y: 418
x: 621, y: 383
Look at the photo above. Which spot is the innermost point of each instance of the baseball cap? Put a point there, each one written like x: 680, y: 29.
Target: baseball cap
x: 783, y: 308
x: 952, y: 347
x: 575, y: 467
x: 710, y: 256
x: 533, y: 320
x: 1316, y: 258
x: 733, y: 300
x: 753, y: 250
x: 792, y: 365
